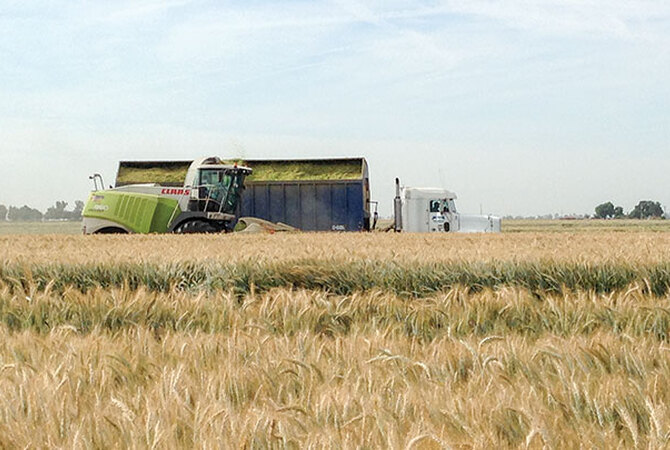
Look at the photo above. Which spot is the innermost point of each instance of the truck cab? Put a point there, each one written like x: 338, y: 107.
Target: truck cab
x: 426, y: 210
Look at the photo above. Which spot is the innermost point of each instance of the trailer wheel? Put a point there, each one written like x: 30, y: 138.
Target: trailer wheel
x: 195, y: 226
x: 111, y: 230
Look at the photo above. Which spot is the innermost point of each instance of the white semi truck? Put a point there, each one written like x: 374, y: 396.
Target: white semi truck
x: 425, y: 210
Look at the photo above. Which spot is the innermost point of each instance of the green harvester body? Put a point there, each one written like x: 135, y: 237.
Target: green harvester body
x: 207, y: 201
x: 139, y: 213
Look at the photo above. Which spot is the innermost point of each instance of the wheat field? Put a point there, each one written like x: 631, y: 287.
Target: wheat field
x: 529, y: 339
x: 617, y: 247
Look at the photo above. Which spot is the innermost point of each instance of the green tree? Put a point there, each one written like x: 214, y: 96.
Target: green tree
x: 646, y: 209
x: 57, y: 212
x: 605, y: 210
x: 24, y: 214
x: 78, y: 209
x: 618, y: 213
x: 3, y: 213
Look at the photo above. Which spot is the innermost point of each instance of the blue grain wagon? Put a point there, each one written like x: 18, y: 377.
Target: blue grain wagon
x: 312, y: 195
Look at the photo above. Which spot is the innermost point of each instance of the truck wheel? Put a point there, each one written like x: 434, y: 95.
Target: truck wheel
x: 195, y: 226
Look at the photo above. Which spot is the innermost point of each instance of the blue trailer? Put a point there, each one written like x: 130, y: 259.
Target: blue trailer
x: 311, y: 195
x: 308, y: 194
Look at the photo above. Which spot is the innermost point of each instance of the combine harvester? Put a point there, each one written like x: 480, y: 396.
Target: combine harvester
x: 425, y: 210
x: 206, y: 201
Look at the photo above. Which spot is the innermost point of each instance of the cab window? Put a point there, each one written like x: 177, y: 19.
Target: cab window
x: 210, y: 177
x: 445, y: 206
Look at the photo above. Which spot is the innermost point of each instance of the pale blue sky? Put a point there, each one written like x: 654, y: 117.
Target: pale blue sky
x: 524, y: 107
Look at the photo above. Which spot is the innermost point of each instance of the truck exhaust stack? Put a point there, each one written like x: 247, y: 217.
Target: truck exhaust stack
x: 397, y: 207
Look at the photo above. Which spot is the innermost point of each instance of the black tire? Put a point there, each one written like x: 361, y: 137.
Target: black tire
x: 195, y: 226
x: 111, y: 230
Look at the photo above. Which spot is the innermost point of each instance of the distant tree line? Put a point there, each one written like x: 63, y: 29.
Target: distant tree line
x: 27, y: 214
x: 645, y: 209
x: 554, y: 216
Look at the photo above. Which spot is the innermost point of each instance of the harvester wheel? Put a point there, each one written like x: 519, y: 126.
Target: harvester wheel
x: 111, y: 230
x: 195, y: 226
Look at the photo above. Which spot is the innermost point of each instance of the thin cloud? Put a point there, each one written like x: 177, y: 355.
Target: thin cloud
x: 618, y: 19
x: 122, y: 12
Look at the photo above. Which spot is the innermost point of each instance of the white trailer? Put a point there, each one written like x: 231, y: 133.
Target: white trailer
x: 425, y: 210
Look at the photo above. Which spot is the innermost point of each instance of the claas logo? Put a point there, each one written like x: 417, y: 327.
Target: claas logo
x: 175, y: 191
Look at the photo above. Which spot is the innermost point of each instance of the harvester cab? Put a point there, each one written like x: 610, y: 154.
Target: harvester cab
x: 214, y: 187
x: 208, y: 202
